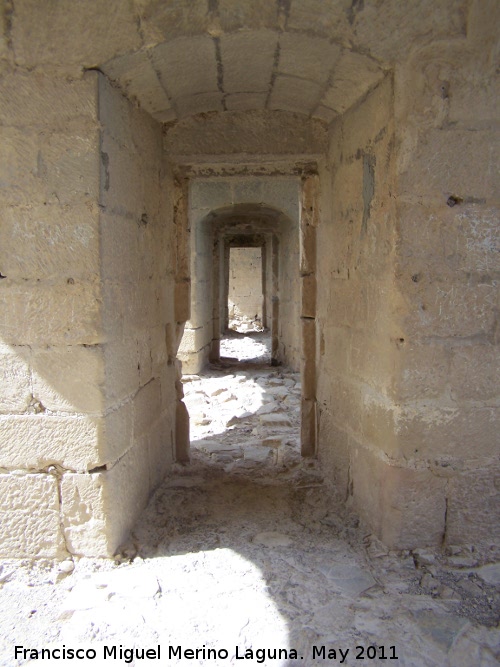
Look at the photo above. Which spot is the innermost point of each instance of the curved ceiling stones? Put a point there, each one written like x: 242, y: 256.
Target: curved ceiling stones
x: 184, y: 57
x: 246, y: 70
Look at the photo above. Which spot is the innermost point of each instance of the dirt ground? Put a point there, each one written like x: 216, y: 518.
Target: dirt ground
x: 245, y: 551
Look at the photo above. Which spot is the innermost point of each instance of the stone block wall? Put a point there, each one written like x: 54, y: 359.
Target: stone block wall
x: 447, y: 270
x: 357, y: 338
x: 51, y: 411
x: 408, y: 342
x: 86, y: 415
x: 137, y: 237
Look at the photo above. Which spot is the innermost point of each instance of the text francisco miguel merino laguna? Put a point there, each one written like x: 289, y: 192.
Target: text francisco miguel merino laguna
x: 127, y: 655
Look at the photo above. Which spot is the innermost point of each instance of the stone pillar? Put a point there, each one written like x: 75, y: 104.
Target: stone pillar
x: 308, y: 223
x: 216, y: 286
x: 275, y: 301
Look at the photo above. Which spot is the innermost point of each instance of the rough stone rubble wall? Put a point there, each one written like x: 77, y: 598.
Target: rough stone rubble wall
x: 245, y: 285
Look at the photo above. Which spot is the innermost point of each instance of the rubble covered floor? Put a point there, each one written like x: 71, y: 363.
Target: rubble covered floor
x: 246, y: 547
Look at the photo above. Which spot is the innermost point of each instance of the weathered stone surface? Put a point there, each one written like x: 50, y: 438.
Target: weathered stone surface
x: 29, y: 509
x: 35, y: 441
x: 294, y: 94
x: 187, y: 65
x: 353, y: 76
x: 85, y: 514
x: 47, y: 241
x: 307, y: 57
x: 69, y: 379
x: 272, y: 539
x: 275, y: 419
x: 474, y: 372
x: 456, y: 238
x: 308, y: 357
x: 279, y: 133
x: 100, y: 508
x: 473, y: 507
x: 405, y: 508
x: 49, y: 167
x: 249, y: 57
x: 138, y: 78
x: 15, y: 379
x: 308, y: 288
x: 308, y: 427
x: 86, y: 36
x: 34, y: 99
x: 437, y: 170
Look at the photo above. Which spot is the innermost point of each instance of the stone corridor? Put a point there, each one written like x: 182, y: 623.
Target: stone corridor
x: 247, y: 549
x: 323, y: 170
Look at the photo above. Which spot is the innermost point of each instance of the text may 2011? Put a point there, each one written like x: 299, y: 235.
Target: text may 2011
x: 127, y: 655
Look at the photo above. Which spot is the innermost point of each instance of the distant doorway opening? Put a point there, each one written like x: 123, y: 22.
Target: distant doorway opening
x: 245, y: 290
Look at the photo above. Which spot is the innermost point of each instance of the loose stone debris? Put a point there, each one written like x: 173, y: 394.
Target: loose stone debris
x: 241, y: 551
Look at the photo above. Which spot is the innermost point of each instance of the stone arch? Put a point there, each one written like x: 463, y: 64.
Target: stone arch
x: 239, y: 225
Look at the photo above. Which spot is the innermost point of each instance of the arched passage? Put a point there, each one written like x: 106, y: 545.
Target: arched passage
x: 385, y: 101
x: 240, y: 225
x: 285, y: 234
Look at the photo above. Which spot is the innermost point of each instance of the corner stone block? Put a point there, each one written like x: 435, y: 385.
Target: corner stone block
x: 69, y: 379
x: 36, y: 441
x: 42, y: 314
x: 29, y: 515
x: 85, y: 514
x: 100, y: 509
x: 41, y: 242
x: 452, y: 309
x: 467, y: 432
x: 475, y: 370
x: 146, y: 407
x: 404, y: 507
x: 15, y: 379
